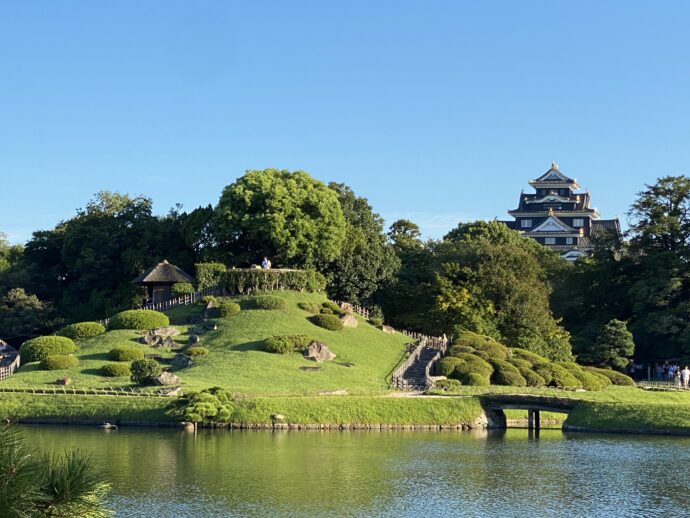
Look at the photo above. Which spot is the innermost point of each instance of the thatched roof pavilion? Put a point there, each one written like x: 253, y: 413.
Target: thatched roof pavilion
x: 160, y: 278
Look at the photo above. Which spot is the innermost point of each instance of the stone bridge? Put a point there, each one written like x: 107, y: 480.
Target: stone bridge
x: 495, y: 404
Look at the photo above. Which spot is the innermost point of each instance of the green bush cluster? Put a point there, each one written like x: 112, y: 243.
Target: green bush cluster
x: 270, y: 302
x: 139, y: 319
x: 615, y: 377
x: 206, y: 299
x: 82, y: 330
x: 181, y: 288
x: 506, y: 373
x: 335, y: 308
x: 144, y: 372
x: 556, y: 376
x: 326, y: 311
x: 376, y: 316
x: 248, y: 280
x: 209, y: 275
x: 125, y: 353
x: 330, y: 322
x: 116, y: 370
x: 228, y: 309
x: 41, y: 347
x: 287, y: 343
x: 311, y: 307
x: 447, y: 385
x: 56, y: 362
x: 196, y: 350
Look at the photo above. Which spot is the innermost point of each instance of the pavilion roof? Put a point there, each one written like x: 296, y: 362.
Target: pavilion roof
x: 163, y: 273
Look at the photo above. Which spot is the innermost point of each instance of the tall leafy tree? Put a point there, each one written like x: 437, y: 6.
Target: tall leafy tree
x: 367, y: 261
x: 286, y: 215
x: 23, y: 315
x: 613, y: 347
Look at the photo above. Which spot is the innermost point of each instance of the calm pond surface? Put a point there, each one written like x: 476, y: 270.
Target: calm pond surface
x: 161, y: 473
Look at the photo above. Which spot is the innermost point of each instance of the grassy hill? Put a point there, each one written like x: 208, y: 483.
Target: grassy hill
x: 236, y: 362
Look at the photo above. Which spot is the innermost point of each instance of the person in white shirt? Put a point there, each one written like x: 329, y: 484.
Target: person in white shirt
x: 685, y: 374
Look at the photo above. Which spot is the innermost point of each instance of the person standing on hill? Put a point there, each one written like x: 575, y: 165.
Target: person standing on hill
x: 685, y: 374
x: 266, y: 264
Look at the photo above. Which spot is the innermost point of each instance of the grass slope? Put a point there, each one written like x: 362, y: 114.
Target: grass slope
x: 237, y: 362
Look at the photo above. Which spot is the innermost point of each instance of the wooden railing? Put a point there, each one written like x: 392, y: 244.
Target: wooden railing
x: 105, y: 391
x: 7, y: 370
x: 182, y: 300
x: 428, y: 379
x: 397, y: 379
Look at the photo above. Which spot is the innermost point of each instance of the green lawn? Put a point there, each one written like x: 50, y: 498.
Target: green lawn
x: 365, y: 355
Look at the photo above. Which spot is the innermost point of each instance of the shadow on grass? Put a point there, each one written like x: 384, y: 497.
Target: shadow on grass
x: 92, y: 371
x: 249, y: 346
x: 95, y: 356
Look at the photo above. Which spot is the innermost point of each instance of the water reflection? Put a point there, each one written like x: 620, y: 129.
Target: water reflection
x: 394, y: 473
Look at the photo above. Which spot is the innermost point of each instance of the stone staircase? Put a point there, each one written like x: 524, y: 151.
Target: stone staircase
x: 414, y: 377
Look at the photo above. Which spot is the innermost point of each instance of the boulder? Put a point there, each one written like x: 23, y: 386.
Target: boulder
x: 319, y: 352
x: 388, y: 330
x: 167, y: 378
x: 346, y: 308
x: 150, y: 338
x: 166, y: 331
x: 349, y: 320
x: 63, y: 381
x: 182, y: 360
x: 169, y: 343
x: 193, y: 339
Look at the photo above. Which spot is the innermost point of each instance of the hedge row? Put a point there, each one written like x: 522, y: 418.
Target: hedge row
x: 247, y: 280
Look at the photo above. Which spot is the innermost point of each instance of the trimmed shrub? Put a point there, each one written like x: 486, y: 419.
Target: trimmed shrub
x: 376, y: 317
x: 330, y: 322
x: 227, y: 309
x: 616, y: 377
x: 287, y: 343
x: 311, y: 307
x: 139, y: 319
x: 473, y: 363
x: 270, y: 302
x: 589, y: 380
x: 181, y: 288
x: 457, y: 349
x: 532, y: 378
x: 125, y: 354
x: 57, y: 362
x: 495, y: 350
x: 506, y: 374
x: 556, y: 376
x: 603, y: 379
x: 446, y: 366
x: 475, y: 379
x: 208, y: 298
x: 209, y: 275
x: 331, y: 305
x: 82, y: 330
x: 447, y: 384
x: 326, y: 311
x: 524, y: 354
x: 116, y: 370
x: 41, y: 347
x: 248, y: 280
x: 483, y: 355
x: 478, y: 342
x: 144, y: 372
x: 520, y: 363
x: 195, y: 351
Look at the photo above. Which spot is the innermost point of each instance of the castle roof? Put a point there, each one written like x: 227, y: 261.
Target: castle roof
x: 554, y: 177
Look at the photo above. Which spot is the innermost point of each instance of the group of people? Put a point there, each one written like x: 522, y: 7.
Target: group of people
x: 673, y: 373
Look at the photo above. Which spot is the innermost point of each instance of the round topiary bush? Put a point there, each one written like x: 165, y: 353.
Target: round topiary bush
x: 125, y: 354
x: 524, y: 354
x: 519, y: 363
x: 454, y: 350
x: 196, y: 350
x: 326, y: 311
x: 227, y: 309
x: 41, y: 347
x: 145, y: 372
x: 116, y: 370
x: 311, y: 307
x: 181, y: 288
x: 82, y: 330
x: 446, y: 366
x: 532, y: 378
x: 447, y: 385
x: 556, y: 376
x: 139, y: 319
x: 475, y: 379
x: 270, y: 302
x: 57, y: 362
x: 506, y: 374
x: 473, y: 363
x: 287, y: 343
x: 616, y: 377
x: 495, y: 350
x: 331, y: 305
x: 330, y: 322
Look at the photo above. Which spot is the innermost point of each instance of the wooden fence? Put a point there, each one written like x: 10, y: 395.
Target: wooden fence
x: 7, y: 370
x: 105, y: 391
x: 183, y: 300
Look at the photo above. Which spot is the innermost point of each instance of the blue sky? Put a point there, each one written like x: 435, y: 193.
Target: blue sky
x: 435, y: 111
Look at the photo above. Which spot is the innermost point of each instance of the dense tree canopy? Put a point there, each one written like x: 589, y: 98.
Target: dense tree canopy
x: 23, y: 315
x: 289, y: 216
x: 613, y: 347
x: 367, y: 261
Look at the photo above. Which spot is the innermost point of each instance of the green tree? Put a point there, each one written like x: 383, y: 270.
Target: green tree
x: 145, y: 371
x: 213, y: 405
x: 288, y: 216
x: 367, y: 261
x: 613, y: 347
x: 24, y: 315
x: 405, y: 235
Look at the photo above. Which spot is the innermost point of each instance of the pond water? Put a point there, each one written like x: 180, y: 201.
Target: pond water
x: 161, y: 473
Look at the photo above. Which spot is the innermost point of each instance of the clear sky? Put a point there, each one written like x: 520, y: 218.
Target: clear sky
x: 438, y: 111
